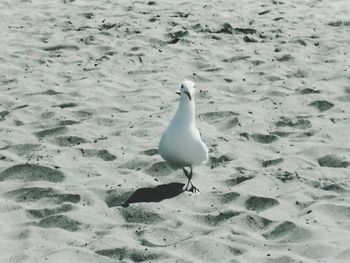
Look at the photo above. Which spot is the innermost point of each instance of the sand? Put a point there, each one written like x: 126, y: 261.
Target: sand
x: 88, y: 87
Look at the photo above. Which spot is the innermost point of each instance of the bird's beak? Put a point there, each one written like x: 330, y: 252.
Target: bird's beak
x: 189, y: 95
x: 178, y: 93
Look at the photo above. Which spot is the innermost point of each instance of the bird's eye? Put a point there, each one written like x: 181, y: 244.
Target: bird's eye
x: 182, y: 86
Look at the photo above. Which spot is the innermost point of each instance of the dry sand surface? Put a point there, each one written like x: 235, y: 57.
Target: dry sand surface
x: 88, y: 87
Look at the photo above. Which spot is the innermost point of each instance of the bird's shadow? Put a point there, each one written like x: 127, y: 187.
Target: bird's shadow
x: 155, y: 194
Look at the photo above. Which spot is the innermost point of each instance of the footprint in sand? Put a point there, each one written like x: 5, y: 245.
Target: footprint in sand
x: 102, y: 154
x: 60, y: 47
x: 116, y: 198
x: 139, y: 215
x: 42, y: 194
x: 82, y: 115
x: 285, y: 58
x: 150, y: 152
x: 268, y: 163
x: 238, y: 180
x: 47, y: 115
x: 3, y: 114
x: 258, y: 203
x: 256, y: 222
x: 162, y: 236
x: 130, y: 254
x: 308, y: 91
x: 338, y: 188
x: 287, y: 232
x: 67, y: 122
x: 281, y: 133
x: 285, y: 176
x: 135, y: 164
x: 228, y: 197
x: 50, y: 132
x: 49, y: 92
x: 264, y: 138
x: 67, y: 105
x: 68, y: 141
x: 22, y: 149
x: 334, y: 161
x: 299, y: 123
x: 32, y: 172
x: 218, y: 218
x: 298, y: 74
x: 222, y: 120
x: 218, y: 161
x: 322, y: 105
x: 44, y: 212
x: 159, y: 169
x: 59, y: 221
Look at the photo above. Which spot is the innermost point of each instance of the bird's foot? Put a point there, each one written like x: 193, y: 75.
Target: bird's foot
x: 191, y: 188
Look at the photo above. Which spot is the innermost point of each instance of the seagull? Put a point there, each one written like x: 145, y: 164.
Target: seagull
x: 181, y: 144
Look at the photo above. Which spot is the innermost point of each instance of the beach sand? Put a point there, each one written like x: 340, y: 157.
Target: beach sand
x: 88, y: 87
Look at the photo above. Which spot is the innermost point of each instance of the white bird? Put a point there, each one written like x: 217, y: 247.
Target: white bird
x: 181, y: 144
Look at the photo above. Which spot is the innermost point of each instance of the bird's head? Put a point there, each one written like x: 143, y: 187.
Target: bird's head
x: 187, y: 88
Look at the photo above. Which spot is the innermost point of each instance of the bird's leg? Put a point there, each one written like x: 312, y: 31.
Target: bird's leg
x: 193, y: 189
x: 188, y: 177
